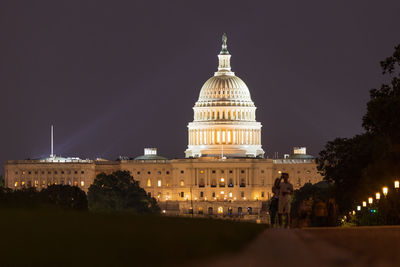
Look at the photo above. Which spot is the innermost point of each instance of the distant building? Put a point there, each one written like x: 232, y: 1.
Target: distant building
x: 224, y: 172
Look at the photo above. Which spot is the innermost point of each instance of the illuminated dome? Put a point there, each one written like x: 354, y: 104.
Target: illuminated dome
x: 224, y: 116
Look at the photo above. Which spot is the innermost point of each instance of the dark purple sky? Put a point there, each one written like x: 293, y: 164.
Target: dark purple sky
x: 117, y: 76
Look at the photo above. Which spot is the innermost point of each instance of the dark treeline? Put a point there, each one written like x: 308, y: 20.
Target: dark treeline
x: 109, y: 192
x: 360, y: 166
x: 54, y: 196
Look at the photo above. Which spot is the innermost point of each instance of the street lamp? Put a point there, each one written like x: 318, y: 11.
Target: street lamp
x: 385, y: 190
x: 378, y: 196
x: 364, y: 203
x: 370, y: 200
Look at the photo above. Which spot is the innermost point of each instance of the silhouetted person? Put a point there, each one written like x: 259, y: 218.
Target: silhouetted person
x: 285, y: 193
x: 273, y: 207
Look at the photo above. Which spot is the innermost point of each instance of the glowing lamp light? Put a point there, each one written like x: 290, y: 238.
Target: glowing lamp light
x: 164, y: 211
x: 396, y: 184
x: 370, y: 200
x: 364, y: 203
x: 385, y: 190
x: 378, y: 196
x: 358, y: 208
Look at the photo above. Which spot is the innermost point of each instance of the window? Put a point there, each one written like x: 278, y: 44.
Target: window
x: 182, y: 183
x: 299, y: 181
x: 182, y: 171
x: 249, y: 210
x: 149, y: 182
x: 138, y: 173
x: 16, y: 184
x: 75, y: 183
x: 220, y: 210
x: 240, y: 210
x: 262, y: 171
x: 200, y: 210
x: 29, y: 172
x: 242, y: 194
x: 49, y: 172
x: 42, y: 172
x: 190, y: 210
x: 213, y: 182
x: 262, y: 182
x: 82, y: 172
x: 210, y: 210
x: 229, y: 211
x: 167, y: 172
x: 201, y: 182
x: 222, y: 182
x: 201, y: 194
x: 230, y: 194
x: 242, y: 182
x: 182, y: 194
x: 201, y: 171
x: 159, y: 183
x: 222, y: 171
x: 76, y: 172
x: 16, y: 172
x: 242, y: 171
x: 262, y: 194
x: 230, y: 171
x: 82, y: 183
x: 230, y: 182
x: 62, y: 172
x: 55, y: 172
x: 148, y: 172
x: 213, y: 171
x: 69, y: 182
x: 36, y: 183
x: 36, y: 172
x: 213, y: 194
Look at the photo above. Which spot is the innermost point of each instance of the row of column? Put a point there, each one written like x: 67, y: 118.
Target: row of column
x: 225, y: 136
x: 224, y: 115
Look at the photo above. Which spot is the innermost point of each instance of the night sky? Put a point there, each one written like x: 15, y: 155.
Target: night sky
x: 117, y: 76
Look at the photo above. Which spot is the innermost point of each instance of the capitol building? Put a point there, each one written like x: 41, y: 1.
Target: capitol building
x: 224, y: 172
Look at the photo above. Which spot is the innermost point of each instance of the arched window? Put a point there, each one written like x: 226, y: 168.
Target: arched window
x: 200, y: 210
x: 220, y: 210
x: 148, y: 182
x: 210, y: 210
x: 230, y: 211
x: 230, y: 182
x: 201, y: 182
x: 240, y: 210
x: 249, y: 210
x: 222, y: 182
x: 242, y: 182
x: 213, y: 182
x: 182, y: 183
x: 159, y: 183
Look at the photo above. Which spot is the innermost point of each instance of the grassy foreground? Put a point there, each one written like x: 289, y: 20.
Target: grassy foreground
x: 66, y: 238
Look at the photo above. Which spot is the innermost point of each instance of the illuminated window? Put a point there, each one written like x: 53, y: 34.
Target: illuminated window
x: 201, y: 171
x: 262, y: 194
x: 23, y: 183
x: 69, y: 182
x: 149, y: 182
x: 200, y: 210
x: 222, y: 192
x: 230, y: 194
x: 82, y: 183
x: 159, y: 183
x: 16, y: 184
x: 75, y: 183
x: 23, y: 172
x: 36, y: 183
x: 182, y: 183
x: 220, y: 210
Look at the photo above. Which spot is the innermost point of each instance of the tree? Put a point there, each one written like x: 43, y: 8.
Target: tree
x: 120, y: 192
x: 64, y: 196
x: 359, y: 166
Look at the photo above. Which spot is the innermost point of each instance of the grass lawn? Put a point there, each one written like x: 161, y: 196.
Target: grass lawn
x: 67, y: 238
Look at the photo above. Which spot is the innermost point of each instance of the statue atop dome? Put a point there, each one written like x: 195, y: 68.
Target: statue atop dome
x: 224, y: 50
